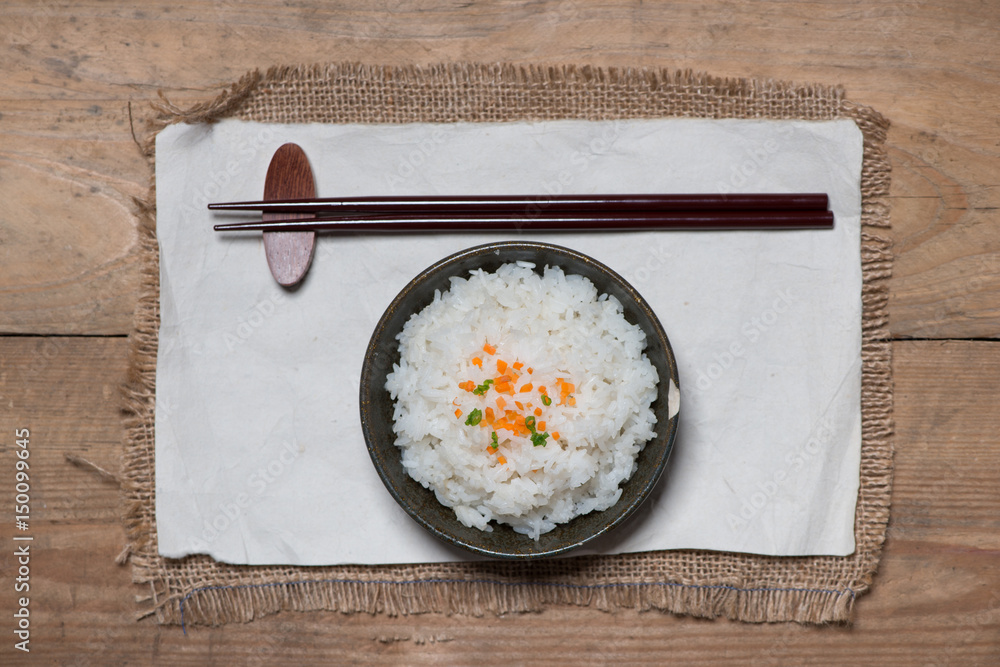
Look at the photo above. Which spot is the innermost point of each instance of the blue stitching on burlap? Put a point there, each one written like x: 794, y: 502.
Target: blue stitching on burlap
x: 494, y: 582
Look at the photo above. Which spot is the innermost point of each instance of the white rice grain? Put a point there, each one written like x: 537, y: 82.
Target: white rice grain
x: 560, y: 327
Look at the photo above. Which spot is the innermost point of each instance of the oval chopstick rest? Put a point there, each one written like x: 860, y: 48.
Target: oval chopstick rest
x: 289, y: 254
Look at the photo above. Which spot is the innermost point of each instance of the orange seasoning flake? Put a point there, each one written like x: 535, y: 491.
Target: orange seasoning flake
x: 565, y: 391
x: 526, y: 421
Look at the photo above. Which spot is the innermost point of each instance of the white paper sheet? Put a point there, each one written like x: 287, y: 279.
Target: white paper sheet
x: 259, y: 452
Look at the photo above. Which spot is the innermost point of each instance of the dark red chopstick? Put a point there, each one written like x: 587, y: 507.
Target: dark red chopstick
x: 536, y: 204
x: 570, y: 221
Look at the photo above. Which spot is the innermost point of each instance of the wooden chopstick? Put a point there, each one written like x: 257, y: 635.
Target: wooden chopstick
x: 560, y: 222
x: 536, y: 204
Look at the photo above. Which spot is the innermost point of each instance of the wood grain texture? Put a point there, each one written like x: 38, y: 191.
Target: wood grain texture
x: 69, y: 170
x: 68, y: 176
x: 930, y: 67
x: 935, y: 601
x: 288, y: 254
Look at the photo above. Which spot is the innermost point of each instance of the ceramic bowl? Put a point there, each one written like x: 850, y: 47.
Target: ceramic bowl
x: 377, y: 404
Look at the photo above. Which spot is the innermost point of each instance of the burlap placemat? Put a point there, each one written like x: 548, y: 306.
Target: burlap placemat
x: 701, y: 583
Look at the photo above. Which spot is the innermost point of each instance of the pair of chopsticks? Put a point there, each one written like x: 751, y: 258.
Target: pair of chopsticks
x: 538, y: 213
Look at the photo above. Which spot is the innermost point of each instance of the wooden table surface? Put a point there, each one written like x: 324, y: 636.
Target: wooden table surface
x: 69, y: 169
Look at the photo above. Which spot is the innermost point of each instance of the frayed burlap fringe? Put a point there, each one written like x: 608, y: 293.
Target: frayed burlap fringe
x: 198, y: 590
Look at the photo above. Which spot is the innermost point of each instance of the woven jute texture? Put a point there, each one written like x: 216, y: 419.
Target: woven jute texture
x: 198, y: 590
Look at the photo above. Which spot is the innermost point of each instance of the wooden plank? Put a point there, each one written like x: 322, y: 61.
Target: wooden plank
x: 66, y: 392
x: 68, y: 167
x: 936, y: 599
x: 68, y: 176
x: 53, y: 50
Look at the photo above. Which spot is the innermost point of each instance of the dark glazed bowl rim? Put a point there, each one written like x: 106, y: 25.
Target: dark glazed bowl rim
x: 376, y: 404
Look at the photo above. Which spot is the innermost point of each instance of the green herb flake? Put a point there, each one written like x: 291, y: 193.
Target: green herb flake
x: 483, y: 388
x: 529, y: 421
x: 475, y: 417
x: 546, y: 400
x: 538, y: 439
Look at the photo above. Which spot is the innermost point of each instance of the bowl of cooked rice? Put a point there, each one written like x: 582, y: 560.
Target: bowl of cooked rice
x: 519, y: 399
